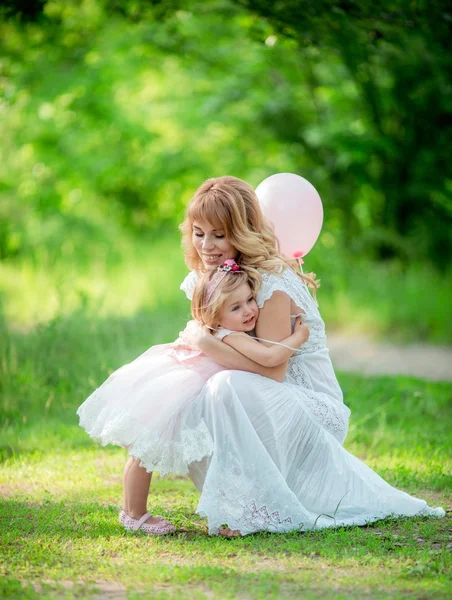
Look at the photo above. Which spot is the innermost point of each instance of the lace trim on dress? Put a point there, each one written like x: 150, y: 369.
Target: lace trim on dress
x: 332, y: 416
x: 236, y: 499
x: 163, y: 451
x: 297, y: 374
x: 173, y: 456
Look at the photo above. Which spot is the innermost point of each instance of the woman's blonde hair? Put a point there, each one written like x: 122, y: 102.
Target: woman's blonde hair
x: 230, y: 205
x: 206, y: 307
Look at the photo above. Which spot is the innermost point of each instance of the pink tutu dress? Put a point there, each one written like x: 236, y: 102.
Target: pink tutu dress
x: 141, y: 407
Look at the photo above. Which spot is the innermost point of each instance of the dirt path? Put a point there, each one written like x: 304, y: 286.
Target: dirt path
x: 361, y: 355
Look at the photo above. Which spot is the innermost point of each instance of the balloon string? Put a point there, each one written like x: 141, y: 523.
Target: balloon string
x: 300, y: 262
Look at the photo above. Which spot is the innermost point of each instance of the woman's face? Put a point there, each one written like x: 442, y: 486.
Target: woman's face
x: 240, y: 311
x: 211, y: 245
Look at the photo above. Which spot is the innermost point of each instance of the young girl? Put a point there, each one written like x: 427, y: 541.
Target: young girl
x: 145, y: 406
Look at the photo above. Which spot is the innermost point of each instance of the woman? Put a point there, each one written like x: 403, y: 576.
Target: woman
x: 278, y: 463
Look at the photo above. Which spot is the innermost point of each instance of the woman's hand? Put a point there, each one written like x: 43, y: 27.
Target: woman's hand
x: 195, y: 334
x: 301, y: 330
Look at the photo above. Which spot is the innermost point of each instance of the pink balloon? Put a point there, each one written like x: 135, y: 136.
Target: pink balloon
x: 294, y: 208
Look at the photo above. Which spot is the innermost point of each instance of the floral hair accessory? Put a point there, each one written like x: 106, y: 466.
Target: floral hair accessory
x: 229, y: 266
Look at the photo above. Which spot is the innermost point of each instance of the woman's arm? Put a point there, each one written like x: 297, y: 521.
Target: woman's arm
x: 268, y: 356
x: 274, y: 324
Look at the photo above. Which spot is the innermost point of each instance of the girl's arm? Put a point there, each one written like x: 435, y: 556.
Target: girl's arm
x: 268, y: 356
x: 273, y: 324
x: 197, y: 336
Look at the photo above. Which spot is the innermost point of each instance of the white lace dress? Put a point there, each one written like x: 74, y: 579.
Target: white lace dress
x: 278, y: 463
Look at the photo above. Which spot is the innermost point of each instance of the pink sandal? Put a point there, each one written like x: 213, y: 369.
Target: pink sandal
x: 132, y: 524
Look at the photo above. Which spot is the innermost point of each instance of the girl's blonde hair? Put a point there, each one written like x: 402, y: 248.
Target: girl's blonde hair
x: 207, y: 309
x: 231, y: 206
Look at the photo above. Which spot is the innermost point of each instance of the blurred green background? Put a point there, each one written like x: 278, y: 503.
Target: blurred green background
x: 113, y: 112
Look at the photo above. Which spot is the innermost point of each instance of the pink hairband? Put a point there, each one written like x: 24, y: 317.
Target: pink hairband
x: 228, y: 266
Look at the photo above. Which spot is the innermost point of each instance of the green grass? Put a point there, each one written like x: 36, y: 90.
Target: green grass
x: 59, y: 523
x: 60, y: 491
x: 67, y: 321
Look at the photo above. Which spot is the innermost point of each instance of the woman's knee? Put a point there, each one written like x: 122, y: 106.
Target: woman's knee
x: 228, y: 384
x: 229, y: 378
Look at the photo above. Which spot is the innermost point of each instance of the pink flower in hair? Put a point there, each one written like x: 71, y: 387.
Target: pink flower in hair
x: 230, y: 265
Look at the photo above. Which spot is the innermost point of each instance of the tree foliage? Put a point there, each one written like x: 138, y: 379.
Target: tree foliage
x: 115, y: 111
x: 397, y: 54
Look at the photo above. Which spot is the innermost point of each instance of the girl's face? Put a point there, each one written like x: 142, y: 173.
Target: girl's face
x: 240, y: 311
x: 211, y: 245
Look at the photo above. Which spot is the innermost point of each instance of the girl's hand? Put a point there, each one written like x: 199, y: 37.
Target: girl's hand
x: 194, y: 334
x: 301, y: 330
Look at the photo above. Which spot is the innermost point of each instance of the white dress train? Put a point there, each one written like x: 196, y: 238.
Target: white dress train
x: 277, y: 462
